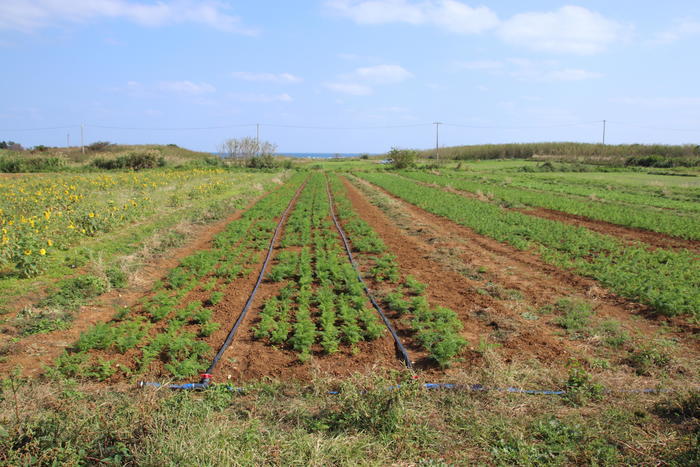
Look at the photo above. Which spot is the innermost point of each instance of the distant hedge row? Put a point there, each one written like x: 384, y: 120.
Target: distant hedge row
x: 132, y: 161
x: 15, y: 164
x: 652, y: 155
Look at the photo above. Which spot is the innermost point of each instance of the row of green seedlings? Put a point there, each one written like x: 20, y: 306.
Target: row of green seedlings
x: 667, y: 280
x: 436, y: 329
x: 323, y: 302
x: 169, y: 326
x: 681, y: 199
x: 677, y: 224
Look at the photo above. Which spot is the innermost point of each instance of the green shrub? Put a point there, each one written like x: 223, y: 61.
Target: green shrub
x: 131, y: 161
x: 580, y: 388
x: 576, y: 315
x: 75, y: 291
x: 98, y: 146
x: 117, y: 277
x: 403, y: 158
x: 37, y: 321
x: 648, y: 357
x: 265, y: 161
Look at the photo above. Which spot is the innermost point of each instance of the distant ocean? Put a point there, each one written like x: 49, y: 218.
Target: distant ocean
x: 314, y: 155
x: 321, y: 155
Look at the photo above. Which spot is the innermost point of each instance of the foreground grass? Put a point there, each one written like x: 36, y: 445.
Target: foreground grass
x: 294, y: 423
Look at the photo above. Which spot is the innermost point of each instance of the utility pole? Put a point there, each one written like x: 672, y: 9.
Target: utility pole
x: 604, y: 123
x: 67, y: 140
x: 82, y: 147
x: 437, y: 140
x: 257, y: 138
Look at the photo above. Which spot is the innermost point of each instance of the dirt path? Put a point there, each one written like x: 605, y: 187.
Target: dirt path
x: 629, y: 235
x: 501, y: 268
x: 35, y: 351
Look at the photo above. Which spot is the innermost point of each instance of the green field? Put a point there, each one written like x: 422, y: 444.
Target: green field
x: 113, y: 277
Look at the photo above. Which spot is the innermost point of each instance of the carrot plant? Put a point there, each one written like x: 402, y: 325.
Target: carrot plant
x: 436, y: 329
x: 667, y: 280
x: 679, y: 224
x: 166, y: 326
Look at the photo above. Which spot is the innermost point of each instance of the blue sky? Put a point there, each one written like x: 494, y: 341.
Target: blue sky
x: 349, y: 75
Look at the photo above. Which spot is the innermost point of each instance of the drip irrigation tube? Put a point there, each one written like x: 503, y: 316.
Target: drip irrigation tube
x: 248, y: 303
x: 401, y: 350
x: 447, y: 387
x: 207, y: 376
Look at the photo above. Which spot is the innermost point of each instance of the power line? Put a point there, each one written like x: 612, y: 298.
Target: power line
x: 349, y: 128
x: 223, y: 127
x: 530, y: 127
x: 645, y: 127
x: 379, y: 127
x: 66, y: 127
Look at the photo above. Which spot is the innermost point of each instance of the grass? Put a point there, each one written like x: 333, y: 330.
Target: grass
x: 364, y: 423
x: 575, y: 315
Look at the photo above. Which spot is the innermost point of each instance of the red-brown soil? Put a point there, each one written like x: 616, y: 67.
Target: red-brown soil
x: 35, y: 351
x: 539, y: 283
x: 627, y: 234
x: 481, y: 314
x: 250, y: 359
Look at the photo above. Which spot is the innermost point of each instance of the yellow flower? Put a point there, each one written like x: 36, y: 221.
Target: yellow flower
x: 27, y: 252
x: 42, y: 252
x: 49, y: 242
x: 92, y: 214
x: 47, y: 215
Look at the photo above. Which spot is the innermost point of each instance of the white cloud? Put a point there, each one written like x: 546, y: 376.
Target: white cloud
x: 381, y: 74
x: 450, y: 15
x: 570, y: 29
x: 462, y: 19
x: 267, y: 77
x: 361, y: 81
x: 530, y: 70
x: 682, y: 29
x: 353, y: 89
x: 547, y: 71
x: 185, y: 87
x: 28, y: 16
x: 569, y: 74
x: 262, y: 98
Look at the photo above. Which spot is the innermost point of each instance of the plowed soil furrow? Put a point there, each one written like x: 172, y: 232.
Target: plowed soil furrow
x: 629, y: 235
x: 484, y: 317
x: 250, y: 359
x: 539, y: 283
x: 33, y: 352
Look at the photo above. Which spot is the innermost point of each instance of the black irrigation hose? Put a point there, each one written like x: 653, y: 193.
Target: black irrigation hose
x: 248, y: 304
x: 401, y: 350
